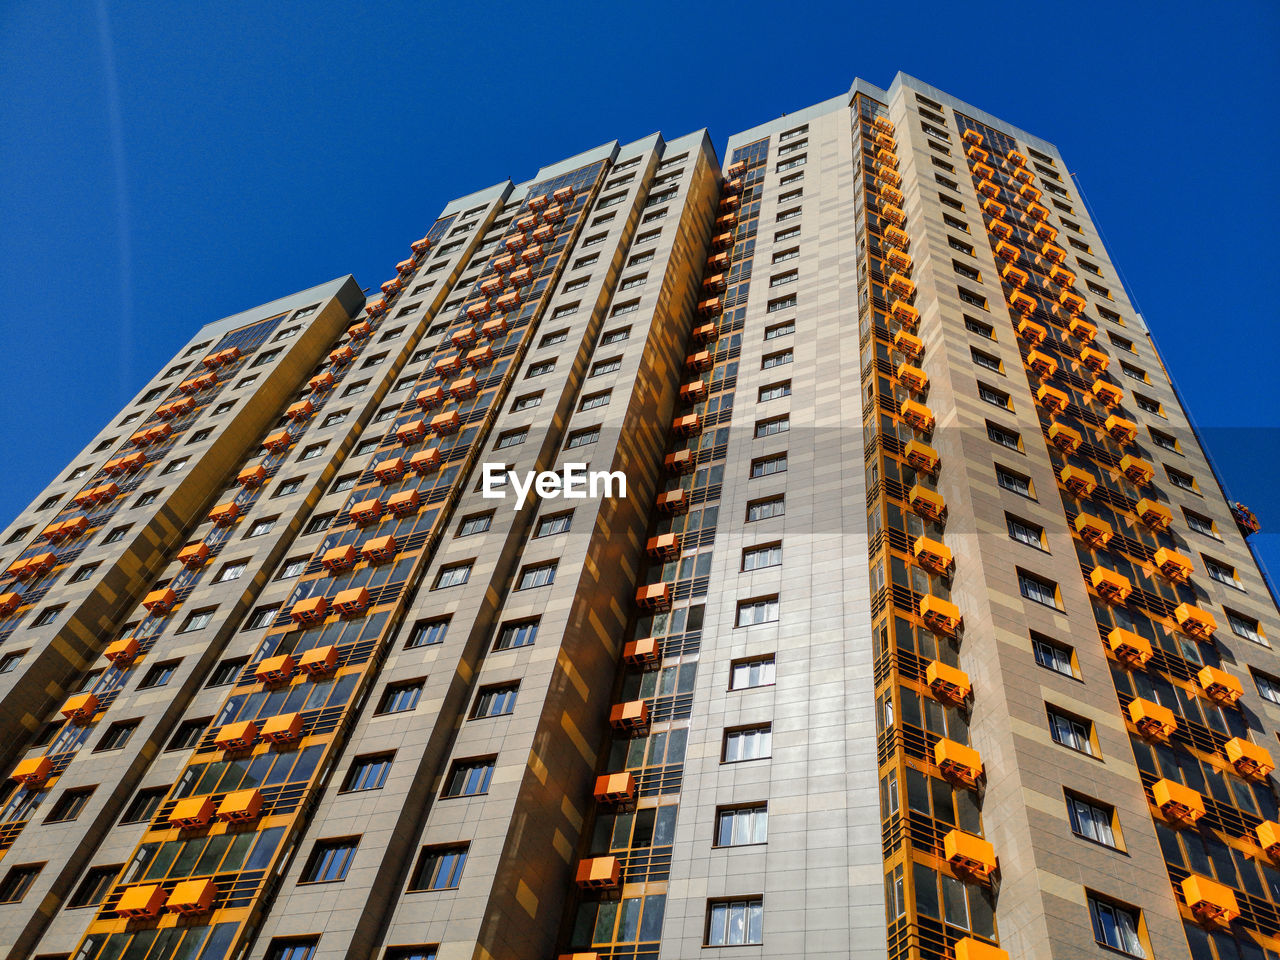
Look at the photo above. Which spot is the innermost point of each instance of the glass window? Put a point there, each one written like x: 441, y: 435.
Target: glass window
x: 735, y: 922
x: 369, y: 772
x: 520, y: 633
x: 766, y: 555
x: 400, y: 697
x: 453, y: 576
x: 756, y: 672
x: 1070, y: 731
x: 1116, y: 926
x: 537, y: 575
x: 469, y: 778
x: 1090, y: 820
x: 751, y: 612
x: 439, y: 868
x: 495, y: 701
x: 477, y: 523
x: 551, y: 525
x: 742, y: 826
x: 1053, y: 655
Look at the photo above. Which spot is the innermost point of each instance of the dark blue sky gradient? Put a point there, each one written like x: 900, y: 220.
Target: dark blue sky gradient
x: 165, y: 165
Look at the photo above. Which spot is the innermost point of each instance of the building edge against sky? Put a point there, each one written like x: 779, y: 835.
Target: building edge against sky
x: 948, y: 644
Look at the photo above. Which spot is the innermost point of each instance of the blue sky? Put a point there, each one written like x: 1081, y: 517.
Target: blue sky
x: 166, y: 166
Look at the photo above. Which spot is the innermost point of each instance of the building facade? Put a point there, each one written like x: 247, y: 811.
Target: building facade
x: 801, y: 556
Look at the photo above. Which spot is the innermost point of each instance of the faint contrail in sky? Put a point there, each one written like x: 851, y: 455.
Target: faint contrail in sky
x: 116, y: 131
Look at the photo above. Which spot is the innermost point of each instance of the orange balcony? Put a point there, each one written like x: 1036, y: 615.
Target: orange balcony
x: 1111, y: 586
x: 222, y: 357
x: 236, y: 737
x: 353, y: 602
x: 319, y: 661
x: 994, y: 208
x: 887, y: 158
x: 687, y: 426
x: 376, y: 307
x: 1120, y: 429
x: 969, y: 854
x: 425, y: 461
x: 615, y: 788
x: 553, y: 214
x: 1108, y: 393
x: 1268, y: 834
x: 897, y: 237
x: 698, y: 362
x: 285, y: 728
x: 710, y: 307
x: 1154, y: 515
x: 1007, y: 251
x: 885, y: 141
x: 1022, y: 303
x: 714, y: 283
x: 1136, y: 469
x: 1023, y: 175
x: 311, y: 610
x: 1044, y: 365
x: 643, y: 652
x: 932, y: 554
x: 1054, y: 400
x: 431, y: 398
x: 718, y: 261
x: 999, y: 228
x: 1093, y: 530
x: 908, y: 343
x: 957, y: 762
x: 67, y: 529
x: 1153, y: 721
x: 463, y: 338
x: 733, y: 185
x: 224, y: 514
x: 972, y: 137
x: 1014, y: 275
x: 193, y: 813
x: 494, y: 329
x: 895, y: 215
x: 1082, y: 330
x: 598, y: 873
x: 1062, y: 277
x: 1015, y: 158
x: 882, y: 125
x: 274, y: 669
x: 358, y: 331
x: 142, y: 902
x: 251, y: 477
x: 921, y: 456
x: 654, y: 597
x: 379, y: 549
x: 321, y: 382
x: 1044, y: 231
x: 948, y: 683
x: 538, y: 202
x: 632, y: 715
x: 80, y: 708
x: 341, y: 355
x: 940, y: 616
x: 1220, y: 686
x: 391, y: 287
x: 968, y: 948
x: 176, y: 408
x: 891, y: 195
x: 444, y: 424
x: 1129, y: 648
x: 479, y: 309
x: 680, y: 462
x: 976, y: 153
x: 915, y: 379
x: 33, y: 567
x: 525, y: 224
x: 1181, y: 805
x: 240, y: 807
x: 448, y: 365
x: 926, y: 503
x: 1209, y: 900
x: 403, y: 503
x: 464, y: 388
x: 366, y: 511
x: 904, y: 313
x: 898, y: 259
x: 196, y: 384
x: 389, y: 470
x: 543, y: 234
x: 9, y: 602
x: 125, y: 464
x: 722, y: 240
x: 665, y: 546
x: 983, y: 170
x: 693, y: 392
x: 1037, y: 210
x: 515, y: 243
x: 988, y: 189
x: 1173, y: 565
x: 563, y: 194
x: 1034, y: 333
x: 519, y: 278
x: 901, y: 286
x: 277, y: 441
x: 917, y: 415
x: 1249, y: 759
x: 1065, y: 438
x: 122, y: 652
x: 1194, y: 621
x: 192, y: 897
x: 338, y: 558
x: 1073, y: 302
x: 413, y: 431
x: 300, y: 410
x: 159, y: 602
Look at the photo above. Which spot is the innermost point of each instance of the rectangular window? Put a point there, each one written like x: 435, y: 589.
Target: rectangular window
x: 556, y: 336
x: 1053, y: 655
x: 582, y: 438
x: 1025, y: 531
x: 47, y: 615
x: 231, y: 571
x: 615, y: 336
x: 495, y: 701
x: 453, y: 576
x: 1073, y: 732
x: 117, y: 735
x: 1247, y: 627
x: 144, y: 805
x: 735, y: 922
x: 1180, y: 479
x: 10, y: 661
x: 960, y: 245
x: 518, y: 633
x: 985, y: 360
x: 1222, y: 572
x: 551, y: 525
x: 439, y: 868
x: 538, y: 369
x: 69, y: 805
x: 1147, y: 405
x: 772, y: 426
x: 782, y: 279
x: 527, y: 402
x: 511, y: 438
x: 742, y: 826
x: 1014, y: 482
x: 768, y: 466
x: 1116, y: 926
x: 226, y: 671
x: 188, y: 734
x: 778, y: 359
x: 1163, y: 440
x: 469, y: 778
x: 997, y: 398
x: 1268, y: 686
x: 576, y: 284
x: 18, y: 881
x: 159, y: 674
x: 1200, y: 524
x: 368, y: 772
x: 789, y: 234
x: 537, y: 575
x: 427, y: 632
x: 752, y: 672
x: 1003, y: 436
x: 786, y: 328
x: 784, y: 255
x: 774, y: 391
x: 971, y: 298
x: 955, y: 222
x: 197, y: 620
x: 593, y: 400
x: 1091, y: 820
x: 330, y: 860
x: 980, y: 328
x: 476, y: 523
x: 782, y: 303
x: 93, y: 888
x: 606, y: 366
x: 292, y: 948
x: 761, y: 610
x: 748, y: 743
x: 400, y: 697
x: 1038, y: 589
x: 951, y: 202
x: 292, y: 567
x: 766, y: 508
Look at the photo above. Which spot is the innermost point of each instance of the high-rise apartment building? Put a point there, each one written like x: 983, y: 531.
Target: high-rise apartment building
x: 807, y: 557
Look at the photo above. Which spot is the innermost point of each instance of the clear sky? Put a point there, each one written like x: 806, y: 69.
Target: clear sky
x: 164, y: 165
